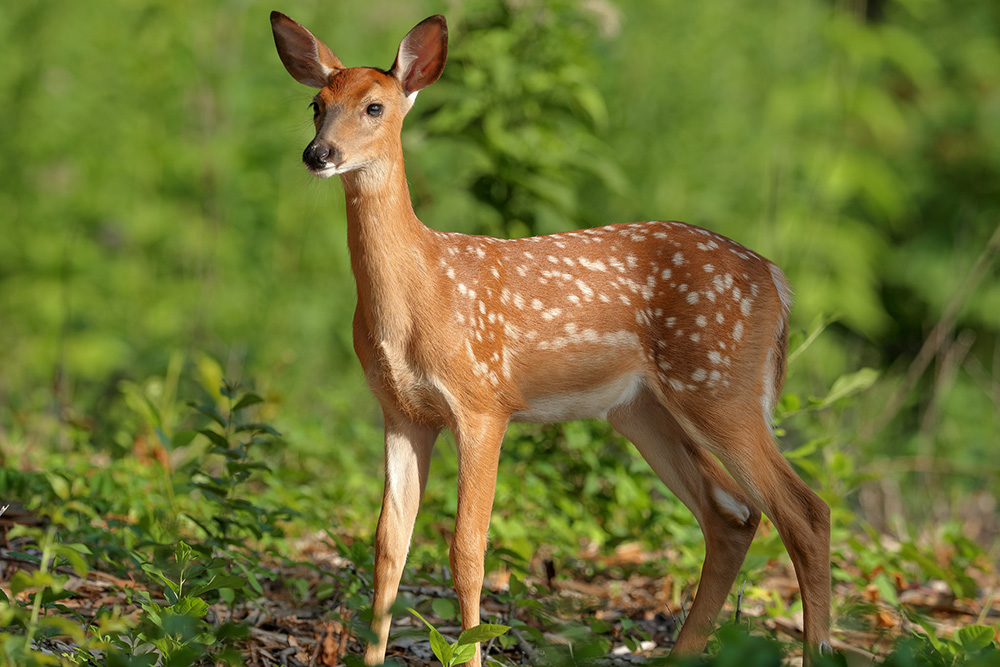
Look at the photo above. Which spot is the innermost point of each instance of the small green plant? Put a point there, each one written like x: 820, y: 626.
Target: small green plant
x: 231, y: 438
x: 178, y: 632
x: 464, y: 648
x: 969, y: 645
x: 24, y: 626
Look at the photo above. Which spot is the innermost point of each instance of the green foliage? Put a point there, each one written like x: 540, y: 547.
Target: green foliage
x: 518, y: 113
x: 971, y: 646
x: 178, y: 633
x: 857, y: 152
x: 464, y: 648
x: 191, y: 564
x: 155, y: 218
x: 233, y: 517
x: 24, y: 624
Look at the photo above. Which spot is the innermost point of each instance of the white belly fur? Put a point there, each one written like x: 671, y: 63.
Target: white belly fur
x: 594, y: 402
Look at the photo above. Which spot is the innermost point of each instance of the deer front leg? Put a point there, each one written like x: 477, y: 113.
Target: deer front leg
x: 478, y: 457
x: 407, y: 456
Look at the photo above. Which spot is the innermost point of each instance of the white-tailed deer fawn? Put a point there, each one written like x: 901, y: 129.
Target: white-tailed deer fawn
x: 676, y: 335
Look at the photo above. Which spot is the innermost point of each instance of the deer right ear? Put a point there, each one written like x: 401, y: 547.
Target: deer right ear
x: 307, y: 59
x: 422, y: 55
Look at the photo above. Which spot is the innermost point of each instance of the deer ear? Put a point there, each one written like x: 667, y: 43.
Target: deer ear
x: 422, y: 55
x: 307, y: 59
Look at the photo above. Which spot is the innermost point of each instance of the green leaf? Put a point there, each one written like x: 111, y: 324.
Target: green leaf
x: 442, y: 649
x: 251, y: 578
x: 246, y: 401
x: 219, y: 581
x: 183, y: 438
x: 257, y: 428
x: 886, y: 588
x: 58, y: 625
x: 482, y: 633
x: 439, y: 645
x: 974, y: 637
x: 22, y: 581
x: 75, y: 559
x: 849, y: 384
x: 213, y: 414
x: 444, y: 607
x: 190, y: 606
x: 462, y: 653
x: 217, y: 439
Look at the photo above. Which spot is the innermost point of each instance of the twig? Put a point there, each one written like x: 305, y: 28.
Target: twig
x: 526, y: 648
x: 739, y: 601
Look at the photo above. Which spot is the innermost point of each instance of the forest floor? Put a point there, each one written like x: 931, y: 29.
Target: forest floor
x: 629, y: 609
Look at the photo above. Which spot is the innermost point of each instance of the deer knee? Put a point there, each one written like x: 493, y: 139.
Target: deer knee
x: 736, y: 510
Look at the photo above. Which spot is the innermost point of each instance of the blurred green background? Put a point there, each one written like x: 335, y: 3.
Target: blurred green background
x: 157, y: 227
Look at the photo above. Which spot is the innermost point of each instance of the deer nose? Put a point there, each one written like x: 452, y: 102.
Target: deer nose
x: 319, y: 155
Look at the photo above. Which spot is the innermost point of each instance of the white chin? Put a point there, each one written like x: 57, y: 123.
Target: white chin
x: 325, y: 172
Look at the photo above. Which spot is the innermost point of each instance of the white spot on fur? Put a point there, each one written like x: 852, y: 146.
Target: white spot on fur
x: 596, y: 265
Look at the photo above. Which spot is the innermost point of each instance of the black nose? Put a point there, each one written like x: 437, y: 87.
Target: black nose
x: 318, y: 155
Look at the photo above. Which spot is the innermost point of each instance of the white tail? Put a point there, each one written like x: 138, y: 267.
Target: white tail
x: 676, y: 335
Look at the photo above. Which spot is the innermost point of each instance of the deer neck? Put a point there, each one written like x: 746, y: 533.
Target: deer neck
x: 391, y: 250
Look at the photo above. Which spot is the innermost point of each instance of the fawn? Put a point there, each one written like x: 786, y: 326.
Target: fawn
x: 676, y: 335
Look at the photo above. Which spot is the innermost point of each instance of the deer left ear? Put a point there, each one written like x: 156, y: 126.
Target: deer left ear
x: 306, y: 58
x: 422, y: 54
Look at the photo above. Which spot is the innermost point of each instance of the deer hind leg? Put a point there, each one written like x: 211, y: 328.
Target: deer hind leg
x: 727, y: 518
x: 408, y: 449
x: 801, y: 517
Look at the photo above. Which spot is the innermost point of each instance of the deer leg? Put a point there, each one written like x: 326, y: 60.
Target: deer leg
x: 478, y: 456
x: 407, y: 457
x: 727, y: 518
x: 801, y: 517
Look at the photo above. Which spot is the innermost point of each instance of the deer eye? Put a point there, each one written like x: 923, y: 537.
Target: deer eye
x: 315, y: 108
x: 374, y: 110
